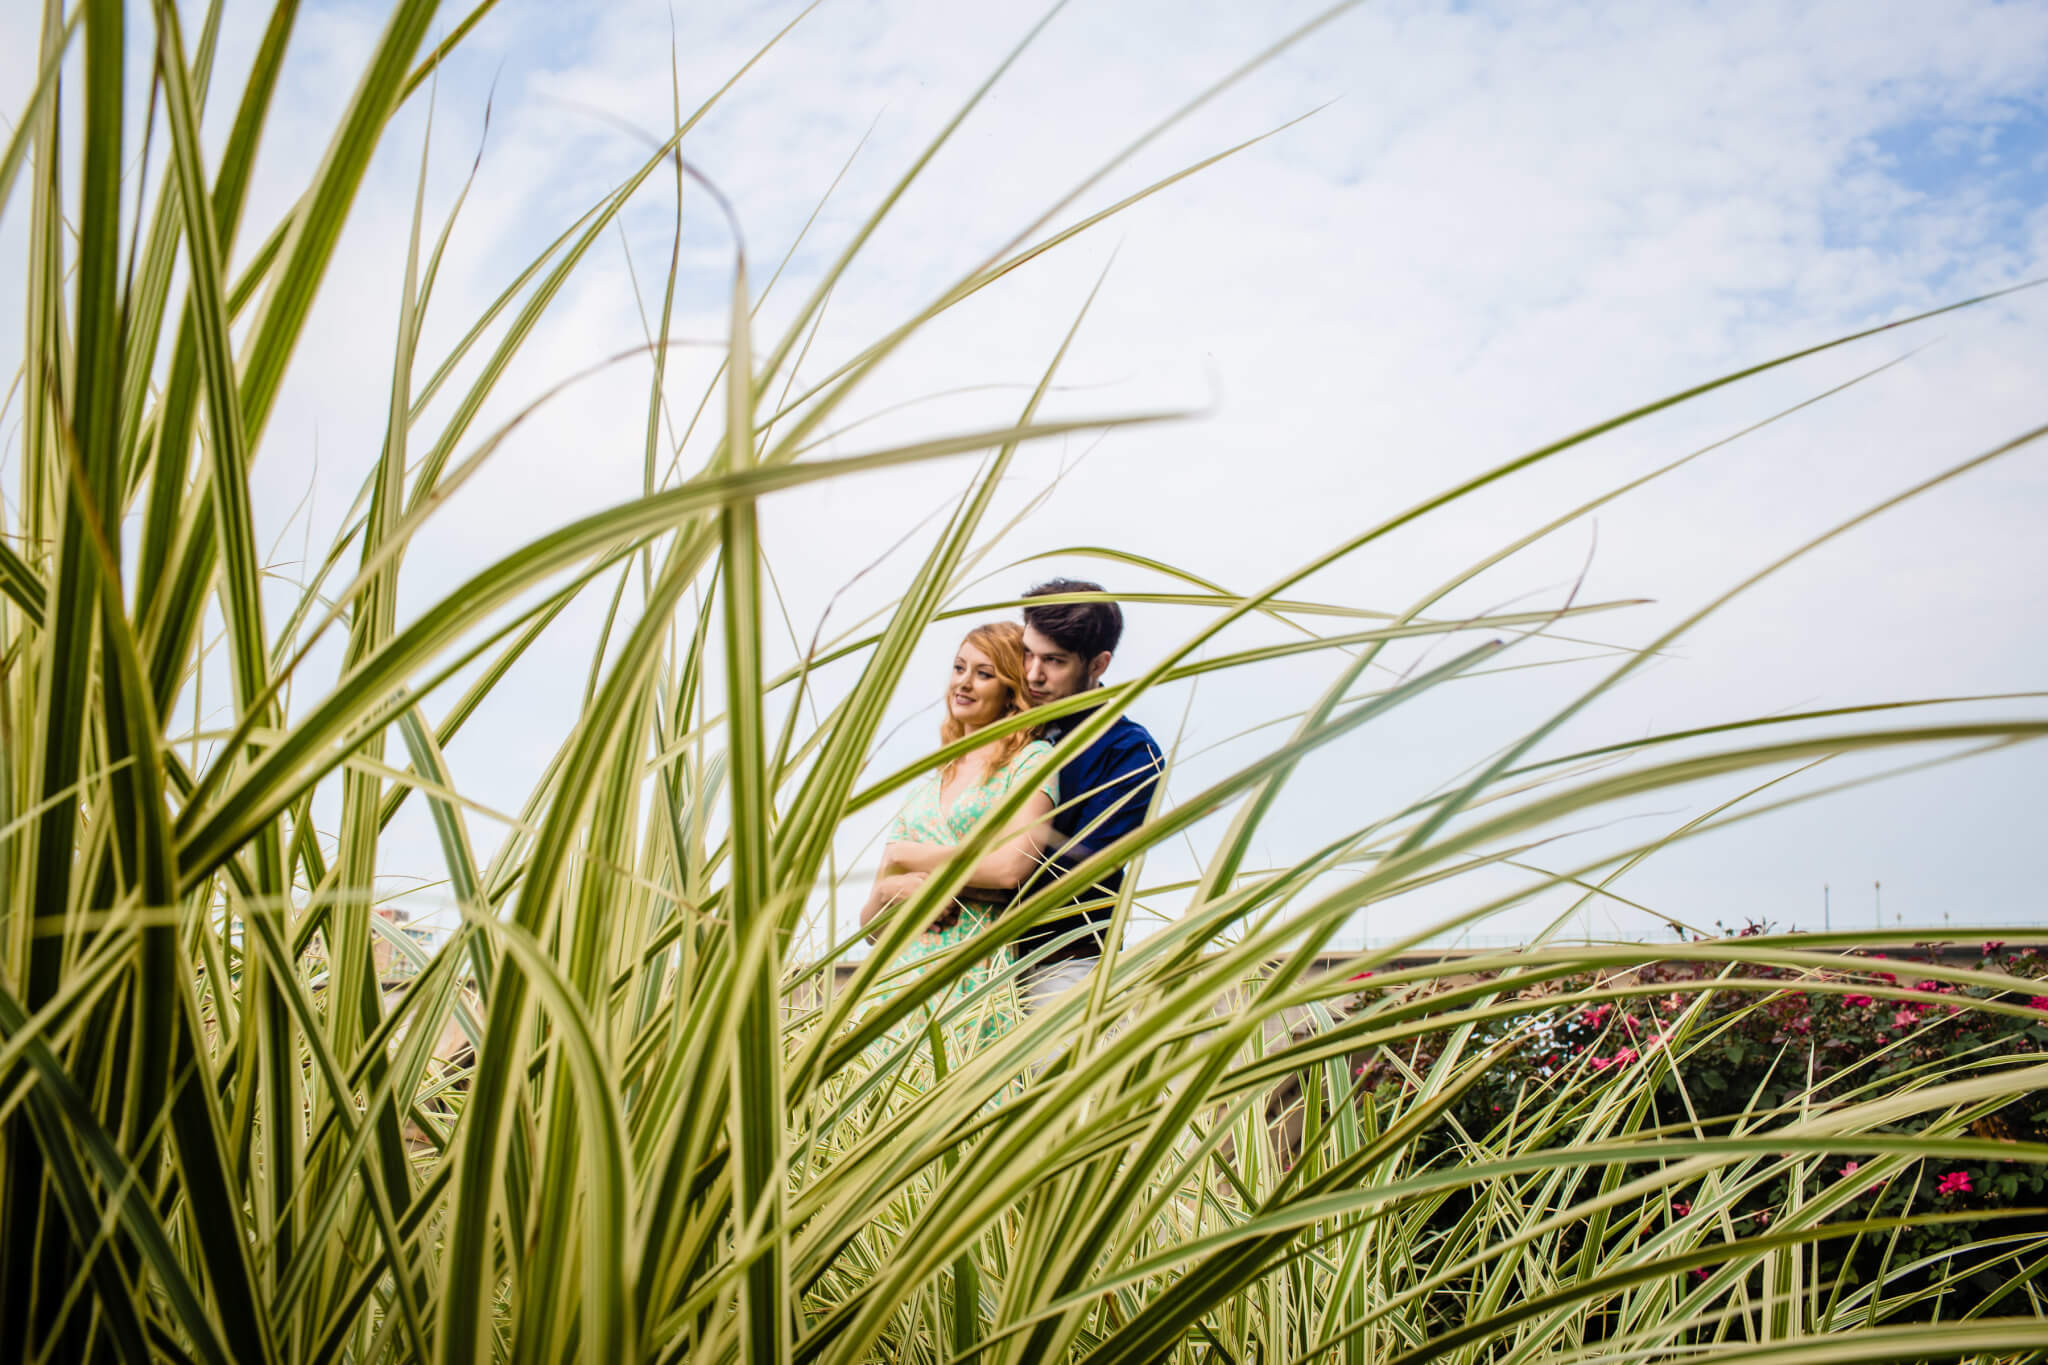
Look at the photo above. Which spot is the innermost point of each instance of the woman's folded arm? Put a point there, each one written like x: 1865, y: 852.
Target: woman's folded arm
x: 1003, y: 868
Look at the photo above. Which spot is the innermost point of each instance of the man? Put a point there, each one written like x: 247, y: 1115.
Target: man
x: 1104, y: 790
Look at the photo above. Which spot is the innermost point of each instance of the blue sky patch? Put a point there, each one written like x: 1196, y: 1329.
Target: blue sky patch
x: 2003, y: 157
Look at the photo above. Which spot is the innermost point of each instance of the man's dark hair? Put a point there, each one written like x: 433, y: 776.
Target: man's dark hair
x: 1086, y: 628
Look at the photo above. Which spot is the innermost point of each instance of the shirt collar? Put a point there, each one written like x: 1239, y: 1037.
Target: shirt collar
x: 1056, y: 728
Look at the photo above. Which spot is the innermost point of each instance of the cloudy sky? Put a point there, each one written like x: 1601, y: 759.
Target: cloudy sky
x: 1498, y: 224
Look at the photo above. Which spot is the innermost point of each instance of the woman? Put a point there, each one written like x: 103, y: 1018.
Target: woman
x: 946, y: 807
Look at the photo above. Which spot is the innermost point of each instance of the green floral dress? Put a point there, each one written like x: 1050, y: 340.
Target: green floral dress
x: 926, y: 819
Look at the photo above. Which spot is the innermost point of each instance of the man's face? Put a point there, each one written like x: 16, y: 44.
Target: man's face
x: 1052, y: 671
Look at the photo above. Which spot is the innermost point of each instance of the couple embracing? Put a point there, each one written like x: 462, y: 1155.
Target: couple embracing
x: 1094, y: 798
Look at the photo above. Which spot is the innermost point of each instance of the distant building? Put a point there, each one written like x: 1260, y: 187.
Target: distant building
x: 392, y: 963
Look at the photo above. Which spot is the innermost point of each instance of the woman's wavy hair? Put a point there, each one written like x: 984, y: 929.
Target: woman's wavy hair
x: 1003, y: 642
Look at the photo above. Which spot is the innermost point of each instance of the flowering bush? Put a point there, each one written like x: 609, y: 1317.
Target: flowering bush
x: 1761, y: 1057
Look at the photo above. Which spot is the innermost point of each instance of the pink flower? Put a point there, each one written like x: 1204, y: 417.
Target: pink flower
x: 1625, y: 1056
x: 1858, y: 1001
x: 1595, y: 1016
x: 2039, y: 1002
x: 1851, y: 1167
x: 1993, y: 946
x: 1905, y: 1017
x: 1681, y: 1207
x: 1955, y: 1182
x: 1602, y: 1063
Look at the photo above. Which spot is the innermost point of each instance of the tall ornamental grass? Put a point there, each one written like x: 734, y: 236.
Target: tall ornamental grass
x: 618, y: 1116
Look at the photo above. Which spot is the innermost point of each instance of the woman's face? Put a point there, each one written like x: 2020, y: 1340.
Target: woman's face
x: 976, y: 696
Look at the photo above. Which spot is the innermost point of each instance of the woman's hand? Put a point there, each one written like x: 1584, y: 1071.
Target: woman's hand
x: 901, y: 886
x: 888, y: 891
x: 906, y: 855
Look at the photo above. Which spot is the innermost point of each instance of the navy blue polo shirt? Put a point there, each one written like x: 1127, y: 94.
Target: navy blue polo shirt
x: 1105, y: 792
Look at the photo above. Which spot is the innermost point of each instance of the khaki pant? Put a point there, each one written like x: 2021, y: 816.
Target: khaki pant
x: 1044, y: 982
